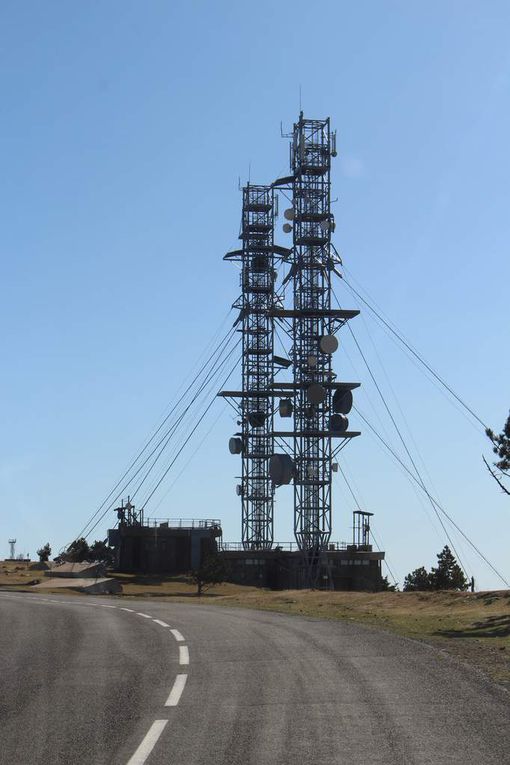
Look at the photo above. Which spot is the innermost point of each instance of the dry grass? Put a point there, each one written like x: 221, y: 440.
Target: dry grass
x: 18, y: 573
x: 472, y: 627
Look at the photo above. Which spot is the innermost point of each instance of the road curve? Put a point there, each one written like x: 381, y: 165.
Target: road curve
x: 123, y: 682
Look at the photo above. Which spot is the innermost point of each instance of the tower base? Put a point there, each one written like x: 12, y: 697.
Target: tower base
x: 349, y: 569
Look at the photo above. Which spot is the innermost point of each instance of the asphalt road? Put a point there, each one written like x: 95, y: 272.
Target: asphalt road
x: 81, y: 682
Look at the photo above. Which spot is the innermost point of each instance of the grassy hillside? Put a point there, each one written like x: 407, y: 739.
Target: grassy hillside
x: 18, y: 573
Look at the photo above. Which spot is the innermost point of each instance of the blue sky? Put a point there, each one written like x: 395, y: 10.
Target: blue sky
x: 125, y: 127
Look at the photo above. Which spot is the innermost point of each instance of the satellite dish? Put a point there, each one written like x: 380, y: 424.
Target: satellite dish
x: 287, y: 228
x: 328, y: 343
x: 257, y: 419
x: 316, y: 393
x: 285, y: 407
x: 338, y: 423
x: 342, y: 401
x: 289, y: 214
x: 281, y: 469
x: 312, y: 361
x: 235, y: 445
x: 324, y: 224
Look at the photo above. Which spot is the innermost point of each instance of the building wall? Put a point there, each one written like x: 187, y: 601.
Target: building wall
x: 150, y: 550
x: 340, y: 570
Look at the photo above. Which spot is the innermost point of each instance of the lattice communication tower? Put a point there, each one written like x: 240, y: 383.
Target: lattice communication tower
x: 320, y: 401
x: 254, y: 402
x: 316, y: 400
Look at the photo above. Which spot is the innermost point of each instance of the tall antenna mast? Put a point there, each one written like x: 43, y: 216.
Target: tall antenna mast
x: 314, y: 398
x: 12, y: 543
x: 254, y: 402
x: 320, y: 402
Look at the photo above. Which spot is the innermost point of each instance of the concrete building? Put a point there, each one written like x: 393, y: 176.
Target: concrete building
x: 347, y: 567
x: 164, y: 546
x: 176, y: 546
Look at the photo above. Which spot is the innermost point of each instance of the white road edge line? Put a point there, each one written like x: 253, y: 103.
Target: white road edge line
x: 148, y: 743
x: 183, y: 654
x: 177, y: 635
x: 176, y: 692
x: 128, y: 609
x: 145, y: 616
x: 162, y: 624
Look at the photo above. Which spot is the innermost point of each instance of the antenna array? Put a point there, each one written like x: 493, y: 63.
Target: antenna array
x: 314, y: 398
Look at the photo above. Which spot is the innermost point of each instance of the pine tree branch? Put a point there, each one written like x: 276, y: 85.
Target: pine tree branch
x: 493, y: 474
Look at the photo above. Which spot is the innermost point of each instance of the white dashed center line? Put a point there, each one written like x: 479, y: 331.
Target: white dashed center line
x: 157, y: 727
x: 162, y: 624
x: 148, y: 743
x: 183, y: 654
x: 176, y: 692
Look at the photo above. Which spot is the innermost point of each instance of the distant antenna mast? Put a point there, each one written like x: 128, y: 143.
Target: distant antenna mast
x: 12, y: 543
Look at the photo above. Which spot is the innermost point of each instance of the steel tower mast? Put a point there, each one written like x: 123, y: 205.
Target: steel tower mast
x: 320, y: 402
x: 311, y: 153
x: 255, y: 402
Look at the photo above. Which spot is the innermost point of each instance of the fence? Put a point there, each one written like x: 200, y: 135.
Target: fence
x: 184, y: 523
x: 286, y: 547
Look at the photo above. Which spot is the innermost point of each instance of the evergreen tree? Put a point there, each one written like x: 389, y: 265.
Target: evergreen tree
x: 417, y: 580
x: 101, y: 552
x: 77, y: 551
x: 386, y: 586
x: 44, y: 553
x: 448, y: 575
x: 501, y: 447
